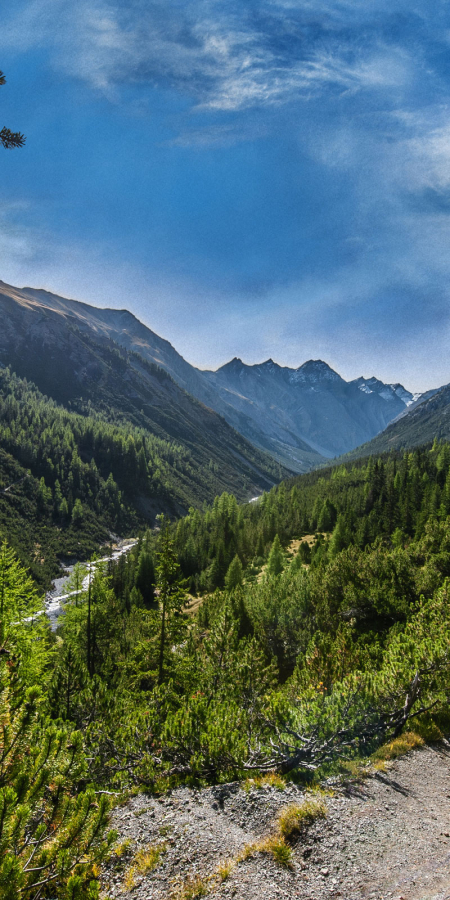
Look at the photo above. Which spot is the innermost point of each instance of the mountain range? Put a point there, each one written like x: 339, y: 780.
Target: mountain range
x: 308, y: 412
x: 419, y: 425
x: 51, y: 342
x: 301, y: 417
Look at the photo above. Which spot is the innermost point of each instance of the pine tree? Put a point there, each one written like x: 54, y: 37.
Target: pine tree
x: 327, y: 517
x: 48, y: 828
x: 10, y: 139
x: 145, y: 576
x: 170, y: 590
x: 77, y: 513
x: 235, y: 575
x: 276, y: 561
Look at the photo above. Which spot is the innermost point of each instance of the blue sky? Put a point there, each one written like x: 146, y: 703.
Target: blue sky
x: 249, y: 178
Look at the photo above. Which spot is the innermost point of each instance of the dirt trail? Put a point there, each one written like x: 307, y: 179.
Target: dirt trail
x: 387, y: 836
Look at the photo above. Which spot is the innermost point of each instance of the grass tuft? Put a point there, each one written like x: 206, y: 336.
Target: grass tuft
x: 192, y: 889
x: 262, y: 781
x: 224, y: 869
x: 295, y: 817
x: 277, y: 847
x: 129, y: 882
x: 122, y: 848
x: 357, y: 768
x: 247, y: 852
x: 145, y: 860
x: 399, y: 746
x: 272, y: 779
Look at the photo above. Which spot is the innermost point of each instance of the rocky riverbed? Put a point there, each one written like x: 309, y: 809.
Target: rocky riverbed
x: 55, y: 599
x: 385, y: 837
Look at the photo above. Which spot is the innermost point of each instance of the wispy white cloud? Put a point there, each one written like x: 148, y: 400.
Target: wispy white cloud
x: 224, y: 55
x: 368, y: 113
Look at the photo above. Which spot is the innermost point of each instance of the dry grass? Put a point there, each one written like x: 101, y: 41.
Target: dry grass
x: 262, y: 781
x: 200, y: 886
x: 194, y: 604
x: 122, y: 848
x: 319, y: 791
x: 399, y: 746
x: 192, y: 889
x: 356, y: 768
x: 224, y: 869
x: 291, y: 821
x: 247, y: 852
x: 129, y: 882
x: 275, y: 845
x: 145, y: 860
x: 294, y: 818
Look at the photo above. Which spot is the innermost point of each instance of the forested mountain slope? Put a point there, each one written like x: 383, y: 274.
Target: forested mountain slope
x: 300, y: 416
x: 352, y: 505
x: 300, y: 664
x: 87, y: 371
x: 68, y: 479
x: 419, y: 425
x: 121, y: 326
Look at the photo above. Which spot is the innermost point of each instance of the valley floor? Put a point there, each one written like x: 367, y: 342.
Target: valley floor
x: 387, y: 836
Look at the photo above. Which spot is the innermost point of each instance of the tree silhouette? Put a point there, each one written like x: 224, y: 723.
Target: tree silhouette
x: 10, y: 139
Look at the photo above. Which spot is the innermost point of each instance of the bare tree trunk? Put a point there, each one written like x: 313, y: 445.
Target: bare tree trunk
x: 410, y: 700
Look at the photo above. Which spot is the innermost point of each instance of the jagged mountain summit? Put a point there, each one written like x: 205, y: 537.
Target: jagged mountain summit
x: 301, y: 416
x: 308, y: 407
x: 386, y: 391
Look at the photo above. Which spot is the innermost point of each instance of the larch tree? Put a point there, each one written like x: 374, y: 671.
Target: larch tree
x: 235, y: 575
x: 170, y: 591
x: 276, y: 561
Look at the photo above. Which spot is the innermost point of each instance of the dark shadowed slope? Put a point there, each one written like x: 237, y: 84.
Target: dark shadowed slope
x: 85, y: 371
x: 420, y: 425
x: 125, y: 329
x: 300, y: 416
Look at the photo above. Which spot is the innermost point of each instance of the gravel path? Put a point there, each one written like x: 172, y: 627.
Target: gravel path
x: 387, y: 836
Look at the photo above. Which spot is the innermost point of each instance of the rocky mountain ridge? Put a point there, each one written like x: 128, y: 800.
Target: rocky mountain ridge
x: 301, y: 417
x: 421, y: 422
x: 83, y: 369
x: 311, y: 406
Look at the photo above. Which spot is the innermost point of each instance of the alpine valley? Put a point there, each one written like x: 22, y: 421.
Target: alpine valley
x: 301, y: 417
x: 213, y: 677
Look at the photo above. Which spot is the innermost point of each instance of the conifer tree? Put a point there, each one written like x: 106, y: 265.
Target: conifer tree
x: 235, y: 575
x: 275, y: 563
x: 51, y: 834
x: 10, y: 139
x: 170, y: 590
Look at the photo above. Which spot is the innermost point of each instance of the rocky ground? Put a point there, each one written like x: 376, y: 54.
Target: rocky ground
x: 384, y: 836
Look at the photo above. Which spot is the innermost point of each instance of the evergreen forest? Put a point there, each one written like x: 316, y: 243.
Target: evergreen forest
x: 69, y: 479
x: 286, y: 635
